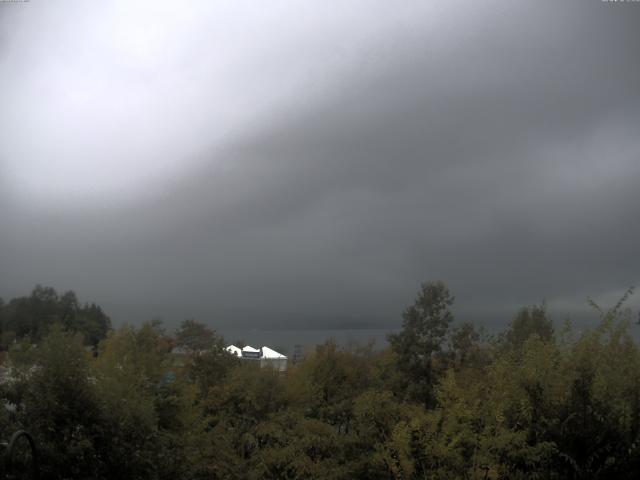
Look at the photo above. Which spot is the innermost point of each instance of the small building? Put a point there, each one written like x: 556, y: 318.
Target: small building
x: 268, y: 357
x: 297, y: 354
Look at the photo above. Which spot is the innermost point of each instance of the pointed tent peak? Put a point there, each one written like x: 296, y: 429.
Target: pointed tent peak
x: 270, y: 353
x: 232, y: 349
x: 249, y: 348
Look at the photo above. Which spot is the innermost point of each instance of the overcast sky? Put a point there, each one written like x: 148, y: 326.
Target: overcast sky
x: 307, y: 164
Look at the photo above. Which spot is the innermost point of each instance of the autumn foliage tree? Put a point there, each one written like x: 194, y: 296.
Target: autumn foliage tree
x: 442, y: 401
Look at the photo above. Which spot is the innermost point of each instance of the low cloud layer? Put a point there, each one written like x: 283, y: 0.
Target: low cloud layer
x: 308, y: 168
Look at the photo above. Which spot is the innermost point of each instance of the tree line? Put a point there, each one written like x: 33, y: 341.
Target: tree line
x: 443, y: 400
x: 32, y: 316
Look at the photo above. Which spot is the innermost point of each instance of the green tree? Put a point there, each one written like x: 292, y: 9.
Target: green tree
x: 129, y: 373
x: 59, y: 405
x: 196, y: 336
x: 32, y: 316
x: 210, y: 368
x: 465, y: 346
x: 531, y: 320
x: 424, y: 329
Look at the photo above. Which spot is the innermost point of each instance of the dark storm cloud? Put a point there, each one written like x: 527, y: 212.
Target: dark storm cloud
x: 499, y: 153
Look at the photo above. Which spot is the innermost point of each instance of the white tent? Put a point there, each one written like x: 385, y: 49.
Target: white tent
x: 270, y: 353
x: 250, y: 352
x: 250, y: 349
x: 232, y: 349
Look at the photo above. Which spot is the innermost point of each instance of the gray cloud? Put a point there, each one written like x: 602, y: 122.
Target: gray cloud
x: 335, y: 167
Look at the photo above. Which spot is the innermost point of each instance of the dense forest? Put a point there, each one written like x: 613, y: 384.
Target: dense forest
x: 443, y: 400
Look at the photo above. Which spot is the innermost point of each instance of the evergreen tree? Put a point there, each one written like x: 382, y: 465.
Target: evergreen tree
x: 424, y: 329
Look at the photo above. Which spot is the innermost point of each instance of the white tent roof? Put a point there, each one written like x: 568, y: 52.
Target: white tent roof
x: 270, y: 353
x: 265, y: 352
x: 234, y: 350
